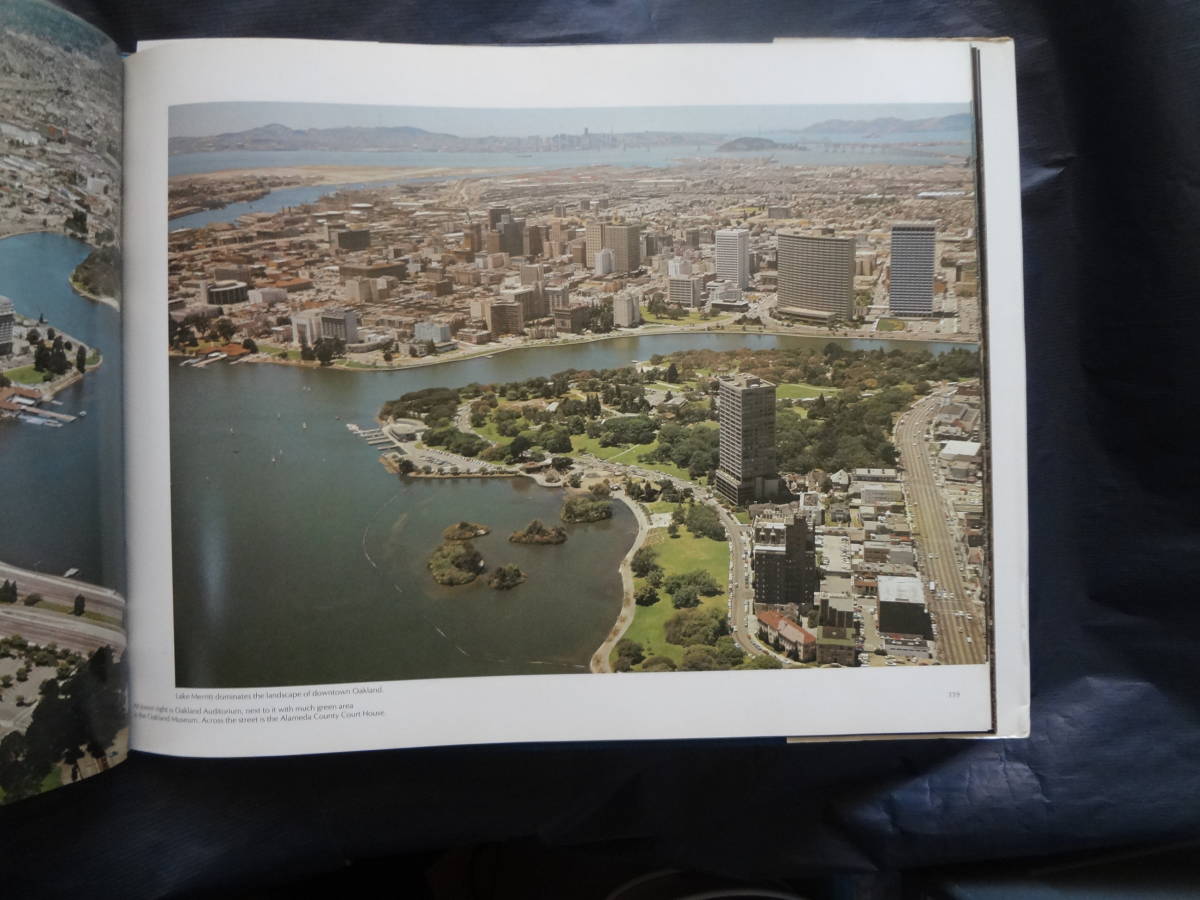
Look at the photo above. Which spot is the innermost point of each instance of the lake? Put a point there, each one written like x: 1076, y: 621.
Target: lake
x: 298, y: 559
x: 62, y: 505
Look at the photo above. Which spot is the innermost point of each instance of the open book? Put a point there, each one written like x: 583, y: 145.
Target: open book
x: 360, y: 396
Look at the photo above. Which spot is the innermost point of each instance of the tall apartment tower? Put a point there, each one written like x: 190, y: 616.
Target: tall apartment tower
x: 627, y: 312
x: 626, y: 245
x: 495, y: 214
x: 816, y: 276
x: 7, y: 319
x: 910, y: 291
x: 594, y: 241
x: 473, y: 237
x: 783, y: 572
x: 746, y: 468
x: 733, y: 256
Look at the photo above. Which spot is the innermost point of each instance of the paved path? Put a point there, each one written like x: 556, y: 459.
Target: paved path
x: 600, y: 659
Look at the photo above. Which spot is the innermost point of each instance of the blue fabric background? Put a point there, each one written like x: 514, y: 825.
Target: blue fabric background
x: 1108, y: 96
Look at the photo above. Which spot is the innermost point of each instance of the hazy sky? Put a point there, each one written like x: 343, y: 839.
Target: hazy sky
x: 215, y: 118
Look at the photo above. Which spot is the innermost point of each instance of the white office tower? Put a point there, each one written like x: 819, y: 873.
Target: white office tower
x: 910, y: 291
x: 626, y: 311
x: 604, y: 262
x: 733, y: 256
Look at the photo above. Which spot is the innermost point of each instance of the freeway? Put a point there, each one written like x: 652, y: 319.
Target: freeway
x: 39, y: 625
x: 938, y: 552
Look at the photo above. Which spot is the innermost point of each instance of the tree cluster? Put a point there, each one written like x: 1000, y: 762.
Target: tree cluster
x: 76, y: 714
x: 537, y: 533
x: 455, y: 441
x: 455, y: 562
x: 586, y: 509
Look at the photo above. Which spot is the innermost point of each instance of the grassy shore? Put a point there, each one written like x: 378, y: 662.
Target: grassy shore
x: 676, y: 556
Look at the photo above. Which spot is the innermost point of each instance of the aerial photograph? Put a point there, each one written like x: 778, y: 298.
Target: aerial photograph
x: 62, y: 609
x: 466, y: 392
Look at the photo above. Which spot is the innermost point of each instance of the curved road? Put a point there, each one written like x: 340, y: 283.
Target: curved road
x: 934, y: 540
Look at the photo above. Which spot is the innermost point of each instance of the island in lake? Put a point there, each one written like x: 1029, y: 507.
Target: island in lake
x: 455, y: 562
x: 506, y: 578
x: 464, y: 531
x: 537, y: 533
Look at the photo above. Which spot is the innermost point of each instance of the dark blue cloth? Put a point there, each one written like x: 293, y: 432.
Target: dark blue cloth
x: 1108, y: 95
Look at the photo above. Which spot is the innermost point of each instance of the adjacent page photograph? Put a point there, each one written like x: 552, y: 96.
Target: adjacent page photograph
x: 63, y: 699
x: 554, y: 399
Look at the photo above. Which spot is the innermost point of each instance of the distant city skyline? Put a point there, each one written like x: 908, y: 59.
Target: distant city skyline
x: 206, y: 119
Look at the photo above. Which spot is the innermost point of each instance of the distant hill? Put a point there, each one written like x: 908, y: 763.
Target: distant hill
x: 749, y: 143
x: 891, y: 125
x: 404, y: 137
x: 280, y: 137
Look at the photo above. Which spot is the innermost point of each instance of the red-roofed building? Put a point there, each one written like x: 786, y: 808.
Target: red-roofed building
x: 795, y: 639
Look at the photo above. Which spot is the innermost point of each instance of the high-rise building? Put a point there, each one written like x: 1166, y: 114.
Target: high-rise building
x: 627, y: 312
x: 535, y: 240
x: 438, y: 332
x: 594, y: 238
x: 473, y: 237
x: 816, y: 276
x: 910, y: 291
x: 505, y: 317
x: 625, y: 243
x: 746, y: 470
x: 783, y: 572
x: 532, y: 273
x: 604, y: 262
x: 529, y: 299
x: 572, y: 319
x: 341, y: 324
x: 686, y: 290
x: 8, y: 318
x: 558, y: 296
x: 512, y: 236
x: 733, y: 256
x: 495, y: 214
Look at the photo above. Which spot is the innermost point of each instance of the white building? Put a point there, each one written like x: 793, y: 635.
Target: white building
x: 605, y: 262
x: 627, y: 312
x: 438, y: 332
x: 733, y: 256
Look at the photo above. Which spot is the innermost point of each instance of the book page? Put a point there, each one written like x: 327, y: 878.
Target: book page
x: 62, y: 547
x: 557, y: 398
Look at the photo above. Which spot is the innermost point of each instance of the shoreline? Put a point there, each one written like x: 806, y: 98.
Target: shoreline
x: 423, y: 362
x: 87, y: 295
x: 110, y: 302
x: 600, y: 662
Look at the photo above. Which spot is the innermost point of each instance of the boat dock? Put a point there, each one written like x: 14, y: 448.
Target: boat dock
x: 376, y: 437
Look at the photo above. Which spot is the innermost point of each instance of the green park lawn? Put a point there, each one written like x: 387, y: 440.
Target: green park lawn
x: 488, y: 430
x: 24, y: 375
x: 890, y: 325
x: 802, y: 391
x: 581, y: 443
x: 274, y: 350
x: 667, y: 468
x: 677, y: 555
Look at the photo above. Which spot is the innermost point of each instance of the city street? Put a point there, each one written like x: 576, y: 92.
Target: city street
x: 960, y: 639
